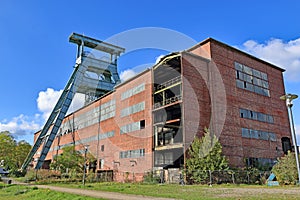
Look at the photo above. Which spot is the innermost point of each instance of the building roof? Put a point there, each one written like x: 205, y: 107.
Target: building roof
x: 234, y: 49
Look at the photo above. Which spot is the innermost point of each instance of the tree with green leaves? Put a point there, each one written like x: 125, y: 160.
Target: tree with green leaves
x: 7, y: 150
x: 204, y: 155
x: 12, y: 153
x: 69, y: 160
x: 285, y: 169
x: 21, y: 152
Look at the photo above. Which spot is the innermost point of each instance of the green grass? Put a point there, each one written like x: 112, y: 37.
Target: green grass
x: 17, y: 192
x: 191, y: 192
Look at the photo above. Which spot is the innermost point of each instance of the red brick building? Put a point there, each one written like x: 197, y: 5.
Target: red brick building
x: 149, y: 121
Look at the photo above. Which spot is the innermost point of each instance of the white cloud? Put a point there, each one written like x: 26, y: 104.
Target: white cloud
x: 21, y: 126
x: 47, y: 100
x: 283, y: 54
x: 127, y: 74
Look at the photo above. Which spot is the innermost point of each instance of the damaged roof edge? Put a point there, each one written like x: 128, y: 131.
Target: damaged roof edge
x: 165, y: 58
x: 235, y: 49
x: 134, y: 77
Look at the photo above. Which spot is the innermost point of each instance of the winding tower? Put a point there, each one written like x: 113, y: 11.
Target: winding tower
x: 93, y: 76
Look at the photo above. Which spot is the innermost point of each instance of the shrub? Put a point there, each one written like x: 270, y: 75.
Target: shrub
x: 204, y: 155
x: 150, y: 177
x: 42, y: 174
x: 286, y: 169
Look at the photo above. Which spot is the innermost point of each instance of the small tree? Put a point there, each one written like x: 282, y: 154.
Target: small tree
x: 12, y: 153
x: 21, y: 151
x: 205, y: 154
x: 286, y: 169
x: 7, y: 150
x: 70, y: 159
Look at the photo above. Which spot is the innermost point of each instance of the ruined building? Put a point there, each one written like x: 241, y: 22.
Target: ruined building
x: 149, y: 121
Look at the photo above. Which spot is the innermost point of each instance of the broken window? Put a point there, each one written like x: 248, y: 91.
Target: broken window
x: 251, y: 79
x: 142, y: 124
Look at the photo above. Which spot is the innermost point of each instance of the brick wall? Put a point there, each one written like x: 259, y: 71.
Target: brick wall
x: 235, y: 147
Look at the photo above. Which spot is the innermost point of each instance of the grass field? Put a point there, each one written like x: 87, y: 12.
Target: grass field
x: 21, y: 192
x: 190, y: 192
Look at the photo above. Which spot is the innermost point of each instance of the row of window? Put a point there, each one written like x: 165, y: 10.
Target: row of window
x: 258, y: 134
x: 108, y: 110
x: 97, y: 137
x: 60, y: 147
x: 91, y: 117
x: 132, y: 153
x: 133, y: 91
x: 133, y: 109
x: 164, y: 158
x: 249, y: 114
x: 104, y: 111
x: 252, y: 88
x: 248, y: 70
x: 251, y: 79
x: 135, y: 126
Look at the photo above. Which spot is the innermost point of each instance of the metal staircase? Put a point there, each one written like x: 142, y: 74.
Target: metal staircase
x: 78, y: 82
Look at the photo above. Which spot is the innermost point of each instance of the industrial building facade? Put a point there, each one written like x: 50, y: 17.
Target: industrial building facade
x: 150, y: 121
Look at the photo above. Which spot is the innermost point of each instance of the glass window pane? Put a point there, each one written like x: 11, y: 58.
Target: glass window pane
x: 254, y: 116
x: 265, y: 92
x: 248, y: 78
x: 254, y: 134
x: 245, y: 133
x: 270, y: 119
x: 256, y: 73
x: 264, y: 76
x: 247, y: 70
x: 264, y: 135
x: 249, y: 87
x: 240, y: 84
x: 258, y: 89
x: 243, y: 113
x: 257, y: 81
x: 265, y: 84
x: 272, y: 137
x: 238, y: 66
x: 259, y: 116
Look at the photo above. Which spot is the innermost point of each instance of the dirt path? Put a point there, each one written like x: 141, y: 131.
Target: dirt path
x: 97, y: 194
x: 218, y: 192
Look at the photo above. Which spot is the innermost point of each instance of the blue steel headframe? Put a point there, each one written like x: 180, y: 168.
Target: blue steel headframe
x: 57, y: 111
x: 73, y: 85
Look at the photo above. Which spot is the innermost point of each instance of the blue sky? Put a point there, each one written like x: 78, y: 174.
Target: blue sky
x: 37, y: 59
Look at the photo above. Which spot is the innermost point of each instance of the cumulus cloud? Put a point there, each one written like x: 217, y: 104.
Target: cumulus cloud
x: 21, y: 125
x: 284, y: 54
x: 127, y: 74
x: 47, y: 100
